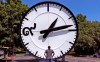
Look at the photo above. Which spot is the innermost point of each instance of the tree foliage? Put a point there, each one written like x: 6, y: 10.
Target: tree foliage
x: 89, y: 36
x: 11, y: 12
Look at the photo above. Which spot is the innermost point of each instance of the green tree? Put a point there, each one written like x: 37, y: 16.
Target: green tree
x: 89, y: 34
x: 11, y: 13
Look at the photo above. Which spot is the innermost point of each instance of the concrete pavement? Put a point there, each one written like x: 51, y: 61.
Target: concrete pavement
x: 67, y: 58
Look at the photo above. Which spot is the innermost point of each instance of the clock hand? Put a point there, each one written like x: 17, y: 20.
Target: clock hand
x: 51, y: 26
x: 55, y: 29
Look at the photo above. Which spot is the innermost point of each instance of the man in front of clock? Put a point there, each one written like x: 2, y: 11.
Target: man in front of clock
x: 49, y: 53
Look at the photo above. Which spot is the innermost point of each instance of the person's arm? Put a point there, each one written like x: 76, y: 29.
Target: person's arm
x: 53, y: 53
x: 45, y: 54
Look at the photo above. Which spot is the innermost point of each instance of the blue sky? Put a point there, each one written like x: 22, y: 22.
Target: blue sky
x: 89, y: 8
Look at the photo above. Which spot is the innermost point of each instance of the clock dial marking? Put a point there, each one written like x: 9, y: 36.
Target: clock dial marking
x: 61, y: 52
x: 26, y: 18
x: 48, y: 7
x: 60, y: 8
x: 70, y: 17
x: 26, y: 44
x: 35, y: 9
x: 72, y: 30
x: 68, y: 50
x: 71, y: 43
x: 36, y: 53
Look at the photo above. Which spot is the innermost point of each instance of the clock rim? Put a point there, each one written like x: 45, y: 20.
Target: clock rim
x: 50, y: 2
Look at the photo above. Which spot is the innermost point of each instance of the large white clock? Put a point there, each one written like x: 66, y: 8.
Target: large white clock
x: 49, y: 24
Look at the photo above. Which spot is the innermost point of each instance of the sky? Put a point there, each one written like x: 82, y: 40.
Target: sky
x: 89, y: 8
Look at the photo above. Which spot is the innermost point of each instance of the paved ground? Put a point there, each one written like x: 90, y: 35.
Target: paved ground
x: 68, y: 58
x: 82, y: 59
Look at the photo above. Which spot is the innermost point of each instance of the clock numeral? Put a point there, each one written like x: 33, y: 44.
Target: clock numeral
x: 29, y: 30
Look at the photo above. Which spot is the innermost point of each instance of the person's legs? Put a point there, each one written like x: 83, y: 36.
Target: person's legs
x: 49, y: 60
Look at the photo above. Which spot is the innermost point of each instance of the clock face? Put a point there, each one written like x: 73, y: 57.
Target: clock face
x: 49, y: 24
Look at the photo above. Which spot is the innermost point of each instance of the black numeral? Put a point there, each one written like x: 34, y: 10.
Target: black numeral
x: 28, y: 30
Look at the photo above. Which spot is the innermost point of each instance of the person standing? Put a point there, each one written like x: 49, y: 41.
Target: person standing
x: 49, y: 53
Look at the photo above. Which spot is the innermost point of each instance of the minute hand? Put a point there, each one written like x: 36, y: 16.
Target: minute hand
x: 55, y: 29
